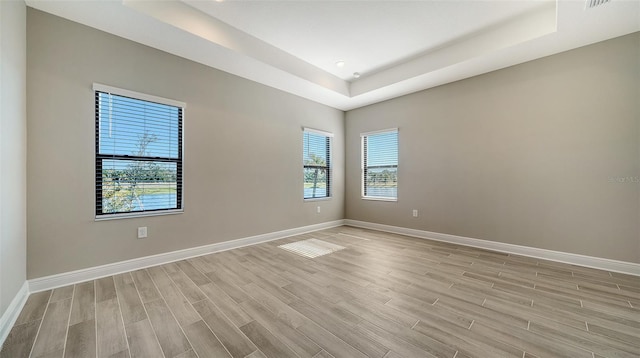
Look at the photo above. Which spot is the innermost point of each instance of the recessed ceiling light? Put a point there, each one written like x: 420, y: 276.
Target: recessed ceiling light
x: 356, y: 75
x: 340, y: 63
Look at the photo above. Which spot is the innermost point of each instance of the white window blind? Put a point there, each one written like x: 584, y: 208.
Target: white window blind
x: 380, y: 165
x: 138, y: 153
x: 316, y: 155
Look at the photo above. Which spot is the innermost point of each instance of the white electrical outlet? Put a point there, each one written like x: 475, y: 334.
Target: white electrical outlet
x: 318, y: 209
x: 142, y: 232
x: 415, y: 213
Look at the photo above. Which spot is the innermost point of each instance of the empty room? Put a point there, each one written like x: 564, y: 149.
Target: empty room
x: 220, y: 178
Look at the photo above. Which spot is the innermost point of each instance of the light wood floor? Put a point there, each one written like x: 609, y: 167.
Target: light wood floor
x: 384, y: 296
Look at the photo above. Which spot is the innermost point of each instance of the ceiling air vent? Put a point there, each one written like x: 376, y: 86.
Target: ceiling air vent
x: 595, y: 3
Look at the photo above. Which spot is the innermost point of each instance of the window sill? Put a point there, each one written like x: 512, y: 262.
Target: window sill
x: 378, y: 198
x: 137, y: 215
x: 318, y: 199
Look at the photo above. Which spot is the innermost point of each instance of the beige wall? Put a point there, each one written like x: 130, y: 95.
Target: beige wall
x: 243, y: 150
x: 543, y: 154
x: 13, y: 155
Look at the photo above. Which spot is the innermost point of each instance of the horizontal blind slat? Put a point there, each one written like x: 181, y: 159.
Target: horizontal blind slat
x: 138, y: 155
x: 380, y: 176
x: 316, y: 157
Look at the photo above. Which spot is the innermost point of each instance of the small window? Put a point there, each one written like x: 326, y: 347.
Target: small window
x: 316, y: 156
x: 138, y: 153
x: 380, y: 165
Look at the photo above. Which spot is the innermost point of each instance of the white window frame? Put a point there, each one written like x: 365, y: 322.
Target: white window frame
x: 329, y: 167
x: 363, y: 160
x: 97, y: 87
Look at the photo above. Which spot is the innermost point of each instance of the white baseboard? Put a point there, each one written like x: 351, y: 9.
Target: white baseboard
x: 10, y: 316
x: 92, y: 273
x: 558, y: 256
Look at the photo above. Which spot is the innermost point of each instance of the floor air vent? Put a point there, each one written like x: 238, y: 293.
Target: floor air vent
x: 311, y: 248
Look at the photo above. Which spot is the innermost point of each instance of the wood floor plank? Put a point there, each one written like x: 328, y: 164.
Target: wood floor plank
x: 62, y: 293
x: 303, y: 346
x: 273, y: 290
x: 189, y: 289
x: 392, y: 341
x: 340, y: 270
x: 463, y: 289
x: 589, y: 315
x: 83, y: 307
x: 463, y: 341
x: 543, y: 346
x: 204, y: 342
x: 121, y: 354
x: 34, y: 308
x: 230, y: 287
x: 268, y: 344
x: 585, y: 296
x: 146, y: 288
x: 20, y: 340
x: 306, y: 291
x: 265, y: 272
x: 531, y: 313
x: 142, y: 340
x: 111, y: 337
x: 373, y: 312
x: 587, y: 340
x: 426, y: 343
x: 188, y: 354
x: 81, y: 339
x: 426, y: 312
x: 53, y: 354
x: 166, y: 328
x: 616, y: 310
x: 609, y: 292
x: 360, y: 342
x: 394, y: 289
x: 477, y: 312
x: 231, y: 337
x: 279, y: 308
x: 308, y: 296
x: 622, y: 276
x: 130, y: 303
x: 192, y: 272
x: 329, y: 341
x: 596, y: 281
x: 323, y: 354
x: 362, y: 293
x: 179, y: 305
x: 230, y: 307
x: 53, y: 332
x: 256, y: 354
x: 224, y: 273
x: 201, y: 264
x: 105, y: 289
x: 632, y: 339
x: 536, y: 295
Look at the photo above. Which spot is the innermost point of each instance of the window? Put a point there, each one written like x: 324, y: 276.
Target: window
x: 380, y: 165
x: 316, y: 156
x: 138, y: 153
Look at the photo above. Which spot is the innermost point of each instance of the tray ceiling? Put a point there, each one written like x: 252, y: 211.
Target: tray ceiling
x: 397, y: 47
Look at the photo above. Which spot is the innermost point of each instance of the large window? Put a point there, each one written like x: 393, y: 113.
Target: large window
x: 316, y: 156
x: 380, y: 165
x: 138, y: 153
